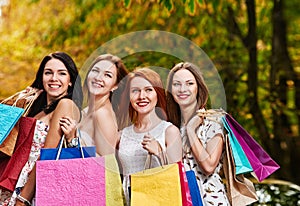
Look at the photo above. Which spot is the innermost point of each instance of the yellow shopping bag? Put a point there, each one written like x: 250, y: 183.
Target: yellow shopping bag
x: 156, y: 186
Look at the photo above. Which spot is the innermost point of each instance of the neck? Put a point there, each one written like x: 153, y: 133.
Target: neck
x: 187, y: 112
x: 146, y: 122
x: 97, y: 102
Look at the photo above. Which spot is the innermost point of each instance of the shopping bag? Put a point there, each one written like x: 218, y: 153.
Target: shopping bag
x: 79, y: 181
x: 156, y: 186
x: 23, y: 99
x: 263, y: 165
x: 242, y: 164
x: 240, y: 190
x: 9, y: 115
x: 113, y: 184
x: 67, y: 153
x: 185, y: 190
x: 194, y: 188
x: 19, y: 158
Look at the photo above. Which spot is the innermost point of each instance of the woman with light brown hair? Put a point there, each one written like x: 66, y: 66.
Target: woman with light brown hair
x: 202, y: 139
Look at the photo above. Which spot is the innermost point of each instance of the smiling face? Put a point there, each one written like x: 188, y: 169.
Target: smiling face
x: 184, y: 88
x: 143, y: 97
x: 102, y: 78
x: 56, y: 79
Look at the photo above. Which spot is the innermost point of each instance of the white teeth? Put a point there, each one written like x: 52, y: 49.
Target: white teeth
x: 54, y: 86
x: 142, y: 104
x: 96, y: 84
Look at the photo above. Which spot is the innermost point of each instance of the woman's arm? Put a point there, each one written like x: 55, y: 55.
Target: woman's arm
x: 207, y: 158
x: 65, y: 107
x: 106, y: 134
x: 173, y: 144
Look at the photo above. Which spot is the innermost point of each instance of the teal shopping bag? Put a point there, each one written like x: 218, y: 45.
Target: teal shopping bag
x: 9, y: 115
x: 242, y: 164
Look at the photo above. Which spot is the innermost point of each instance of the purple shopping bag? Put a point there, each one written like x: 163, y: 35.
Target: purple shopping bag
x: 263, y: 165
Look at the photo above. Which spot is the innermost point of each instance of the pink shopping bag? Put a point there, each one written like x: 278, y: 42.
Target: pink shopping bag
x: 71, y: 182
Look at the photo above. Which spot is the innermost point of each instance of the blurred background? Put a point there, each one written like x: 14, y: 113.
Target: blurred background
x: 253, y: 44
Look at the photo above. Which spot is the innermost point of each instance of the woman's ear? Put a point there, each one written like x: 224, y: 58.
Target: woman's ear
x: 114, y: 88
x: 70, y: 84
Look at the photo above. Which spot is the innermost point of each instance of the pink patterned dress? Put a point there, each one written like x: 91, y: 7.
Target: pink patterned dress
x: 39, y: 137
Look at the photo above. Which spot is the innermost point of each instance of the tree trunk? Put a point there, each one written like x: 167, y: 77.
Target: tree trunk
x: 282, y: 72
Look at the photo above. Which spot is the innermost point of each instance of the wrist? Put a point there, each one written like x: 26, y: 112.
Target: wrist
x: 73, y: 142
x: 23, y: 200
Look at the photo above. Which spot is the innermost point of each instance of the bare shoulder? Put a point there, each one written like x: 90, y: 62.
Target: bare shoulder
x: 65, y: 107
x: 172, y: 130
x: 65, y: 102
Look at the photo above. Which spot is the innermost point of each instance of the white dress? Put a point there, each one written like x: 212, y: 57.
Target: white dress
x: 131, y: 154
x: 211, y: 187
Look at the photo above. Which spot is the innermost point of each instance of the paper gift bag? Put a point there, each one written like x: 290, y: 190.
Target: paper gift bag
x: 242, y: 164
x: 9, y: 116
x: 263, y: 165
x: 113, y: 185
x: 23, y: 99
x: 67, y: 153
x: 71, y: 182
x: 185, y: 190
x: 194, y: 188
x: 156, y: 186
x: 19, y: 158
x: 240, y: 190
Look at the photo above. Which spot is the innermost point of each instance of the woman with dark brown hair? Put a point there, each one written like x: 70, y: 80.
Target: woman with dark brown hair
x: 61, y: 95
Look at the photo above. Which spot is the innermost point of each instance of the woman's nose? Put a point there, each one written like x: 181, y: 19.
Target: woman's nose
x: 142, y: 94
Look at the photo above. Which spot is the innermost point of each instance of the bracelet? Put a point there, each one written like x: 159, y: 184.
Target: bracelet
x: 23, y: 200
x: 74, y: 142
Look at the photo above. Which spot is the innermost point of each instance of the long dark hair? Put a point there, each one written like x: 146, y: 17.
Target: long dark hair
x: 74, y: 91
x: 127, y: 114
x: 173, y: 109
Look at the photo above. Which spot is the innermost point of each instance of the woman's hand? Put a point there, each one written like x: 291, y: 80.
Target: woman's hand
x: 151, y: 145
x: 68, y: 126
x: 195, y: 122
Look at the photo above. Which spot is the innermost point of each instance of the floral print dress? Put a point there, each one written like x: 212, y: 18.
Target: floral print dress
x: 211, y: 186
x: 39, y: 137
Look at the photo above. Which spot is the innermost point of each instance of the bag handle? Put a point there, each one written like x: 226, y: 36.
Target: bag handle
x: 22, y: 94
x: 149, y: 158
x: 61, y: 144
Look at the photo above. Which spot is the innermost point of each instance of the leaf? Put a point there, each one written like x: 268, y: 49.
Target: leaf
x: 127, y: 3
x: 168, y: 4
x: 191, y: 6
x: 200, y: 2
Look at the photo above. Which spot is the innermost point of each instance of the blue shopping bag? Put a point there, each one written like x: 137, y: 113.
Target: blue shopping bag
x: 242, y: 164
x: 9, y: 115
x: 67, y: 153
x: 194, y: 188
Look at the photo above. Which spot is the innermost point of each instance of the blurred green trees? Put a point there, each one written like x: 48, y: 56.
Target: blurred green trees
x: 253, y: 44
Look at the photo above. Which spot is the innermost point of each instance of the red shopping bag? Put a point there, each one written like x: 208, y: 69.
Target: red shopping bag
x: 185, y: 191
x: 17, y: 161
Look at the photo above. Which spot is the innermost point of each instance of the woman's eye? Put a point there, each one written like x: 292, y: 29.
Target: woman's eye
x: 149, y: 90
x: 63, y: 73
x: 95, y: 70
x: 47, y: 73
x: 176, y: 84
x: 134, y: 91
x: 190, y: 83
x: 108, y: 75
